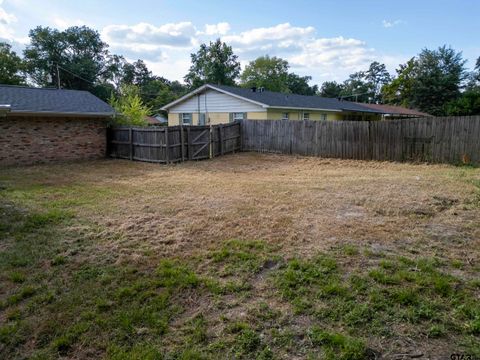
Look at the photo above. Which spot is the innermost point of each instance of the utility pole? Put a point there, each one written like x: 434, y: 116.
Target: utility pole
x: 58, y: 76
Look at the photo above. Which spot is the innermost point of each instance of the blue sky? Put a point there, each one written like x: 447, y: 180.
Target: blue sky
x: 325, y: 39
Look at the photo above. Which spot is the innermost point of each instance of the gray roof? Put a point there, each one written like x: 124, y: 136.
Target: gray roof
x: 52, y: 101
x: 276, y: 99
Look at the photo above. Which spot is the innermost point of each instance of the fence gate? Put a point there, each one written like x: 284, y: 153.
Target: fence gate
x: 173, y: 143
x: 198, y: 138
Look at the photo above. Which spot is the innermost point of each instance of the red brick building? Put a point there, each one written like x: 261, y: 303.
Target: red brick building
x: 45, y: 125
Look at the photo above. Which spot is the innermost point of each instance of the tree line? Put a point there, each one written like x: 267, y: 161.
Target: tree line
x: 434, y: 81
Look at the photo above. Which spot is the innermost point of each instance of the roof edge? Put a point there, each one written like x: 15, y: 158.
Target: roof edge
x: 56, y: 113
x: 213, y: 87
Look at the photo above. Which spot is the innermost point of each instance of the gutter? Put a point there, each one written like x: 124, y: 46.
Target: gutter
x: 4, y: 109
x: 54, y: 113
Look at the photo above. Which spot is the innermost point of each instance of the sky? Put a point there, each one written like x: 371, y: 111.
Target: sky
x: 327, y: 40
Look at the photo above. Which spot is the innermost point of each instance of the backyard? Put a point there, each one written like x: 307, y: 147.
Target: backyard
x: 243, y: 256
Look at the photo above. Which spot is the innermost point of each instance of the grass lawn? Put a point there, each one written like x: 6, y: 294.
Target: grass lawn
x: 244, y: 256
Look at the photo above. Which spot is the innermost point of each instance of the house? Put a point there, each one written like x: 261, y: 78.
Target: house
x: 43, y: 125
x: 162, y: 119
x: 152, y: 121
x: 390, y: 112
x: 216, y: 104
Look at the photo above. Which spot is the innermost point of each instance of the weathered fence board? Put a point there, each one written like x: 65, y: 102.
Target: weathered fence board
x: 440, y: 140
x: 174, y: 143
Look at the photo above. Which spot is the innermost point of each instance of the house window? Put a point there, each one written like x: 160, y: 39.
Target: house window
x: 306, y: 116
x: 238, y: 116
x: 284, y: 116
x: 187, y: 119
x: 201, y: 119
x: 323, y: 117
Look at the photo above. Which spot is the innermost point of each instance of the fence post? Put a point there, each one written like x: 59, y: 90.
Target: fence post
x: 130, y: 138
x: 240, y: 134
x: 167, y: 145
x: 220, y: 138
x: 211, y: 144
x: 182, y: 141
x: 189, y: 144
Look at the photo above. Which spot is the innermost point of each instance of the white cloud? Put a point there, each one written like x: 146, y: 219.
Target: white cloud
x: 147, y: 37
x: 6, y: 18
x: 6, y: 21
x: 391, y: 23
x: 215, y: 29
x: 166, y: 48
x: 284, y: 34
x: 64, y: 23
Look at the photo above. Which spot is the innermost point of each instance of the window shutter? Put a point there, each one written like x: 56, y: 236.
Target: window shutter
x: 230, y: 117
x: 180, y: 119
x: 244, y: 116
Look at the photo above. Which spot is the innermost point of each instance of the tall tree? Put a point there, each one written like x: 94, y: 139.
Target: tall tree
x: 79, y: 52
x: 331, y: 89
x: 377, y: 76
x: 272, y: 74
x: 357, y: 88
x: 268, y: 72
x: 11, y: 66
x: 214, y: 63
x: 438, y: 79
x: 299, y: 85
x: 400, y: 90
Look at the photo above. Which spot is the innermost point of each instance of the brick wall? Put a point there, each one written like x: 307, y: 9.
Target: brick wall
x: 29, y: 140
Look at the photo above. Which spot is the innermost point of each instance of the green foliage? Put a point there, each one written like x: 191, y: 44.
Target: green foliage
x: 214, y: 63
x: 429, y: 82
x: 129, y: 107
x: 272, y: 74
x: 331, y: 89
x: 399, y: 90
x: 467, y: 104
x: 78, y: 50
x: 438, y: 77
x: 11, y: 66
x: 362, y: 86
x: 268, y: 72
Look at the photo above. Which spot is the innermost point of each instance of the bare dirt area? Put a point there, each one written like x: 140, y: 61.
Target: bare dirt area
x: 254, y: 256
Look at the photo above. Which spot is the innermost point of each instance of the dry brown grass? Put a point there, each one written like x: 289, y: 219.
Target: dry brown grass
x: 302, y: 204
x: 299, y: 205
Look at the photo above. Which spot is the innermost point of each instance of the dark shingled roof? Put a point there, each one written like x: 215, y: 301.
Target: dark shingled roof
x: 276, y: 99
x: 53, y: 101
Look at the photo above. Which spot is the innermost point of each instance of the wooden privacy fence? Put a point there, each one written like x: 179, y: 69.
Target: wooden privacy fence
x: 443, y: 139
x: 173, y: 143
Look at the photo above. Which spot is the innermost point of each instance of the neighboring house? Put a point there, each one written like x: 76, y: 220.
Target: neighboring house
x: 390, y: 112
x: 153, y: 121
x: 162, y: 119
x: 216, y: 104
x: 43, y: 125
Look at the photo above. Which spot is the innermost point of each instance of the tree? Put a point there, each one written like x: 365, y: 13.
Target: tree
x: 161, y: 91
x: 467, y: 104
x: 400, y: 90
x: 377, y: 76
x: 11, y: 66
x: 214, y: 63
x: 356, y: 88
x: 299, y: 85
x: 79, y: 52
x: 272, y: 74
x: 268, y: 72
x: 331, y: 89
x: 438, y: 79
x: 129, y: 107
